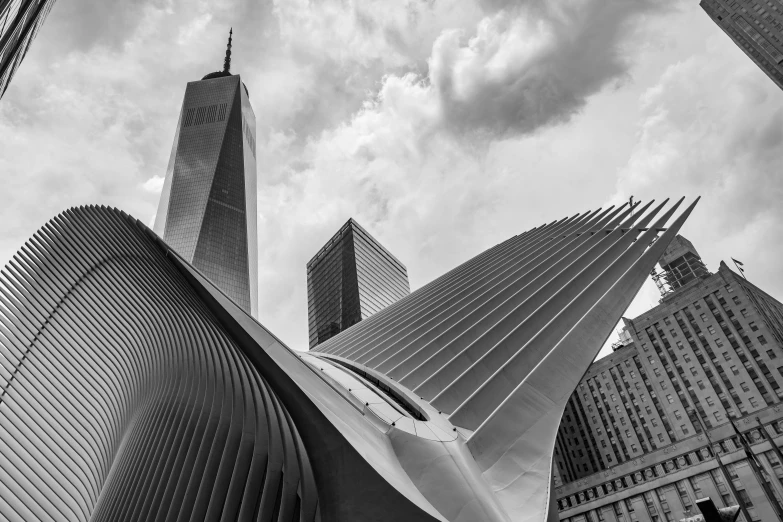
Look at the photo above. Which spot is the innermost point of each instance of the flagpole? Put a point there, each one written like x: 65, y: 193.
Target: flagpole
x: 739, y: 268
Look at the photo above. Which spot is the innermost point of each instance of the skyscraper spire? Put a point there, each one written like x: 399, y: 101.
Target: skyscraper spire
x: 227, y: 61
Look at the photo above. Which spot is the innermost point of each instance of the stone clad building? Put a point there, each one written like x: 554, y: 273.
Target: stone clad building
x: 632, y: 442
x: 756, y: 27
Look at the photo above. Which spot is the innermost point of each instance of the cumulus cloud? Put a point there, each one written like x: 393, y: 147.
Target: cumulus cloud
x: 435, y: 124
x: 713, y: 126
x: 154, y: 184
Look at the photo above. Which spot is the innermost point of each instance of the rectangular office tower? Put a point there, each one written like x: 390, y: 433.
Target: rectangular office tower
x: 756, y: 26
x: 349, y: 279
x: 207, y: 211
x: 641, y: 436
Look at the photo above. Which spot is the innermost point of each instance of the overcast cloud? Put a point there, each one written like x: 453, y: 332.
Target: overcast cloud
x: 442, y: 126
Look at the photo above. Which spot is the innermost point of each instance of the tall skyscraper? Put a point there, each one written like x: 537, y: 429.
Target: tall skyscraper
x: 756, y: 26
x: 632, y: 443
x: 207, y: 210
x: 19, y: 24
x: 349, y: 279
x: 132, y: 388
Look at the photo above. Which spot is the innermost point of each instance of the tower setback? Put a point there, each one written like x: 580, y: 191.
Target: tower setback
x: 641, y: 436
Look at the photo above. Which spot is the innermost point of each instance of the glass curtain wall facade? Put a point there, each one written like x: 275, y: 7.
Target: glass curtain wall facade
x: 207, y: 210
x: 20, y: 21
x: 352, y: 277
x: 632, y: 443
x: 756, y: 26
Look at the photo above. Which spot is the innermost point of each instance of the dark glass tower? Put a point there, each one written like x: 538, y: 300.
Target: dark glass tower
x: 756, y: 26
x: 207, y: 210
x: 349, y: 279
x: 19, y: 23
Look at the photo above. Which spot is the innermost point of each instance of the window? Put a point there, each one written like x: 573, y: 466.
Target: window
x: 644, y: 399
x: 649, y: 410
x: 609, y: 457
x: 622, y: 421
x: 753, y: 402
x: 753, y: 326
x: 644, y: 347
x: 727, y: 356
x: 590, y: 408
x: 700, y: 384
x: 608, y: 385
x: 736, y: 300
x: 638, y: 385
x: 679, y: 345
x: 710, y: 401
x: 633, y: 374
x: 657, y: 372
x: 603, y: 375
x: 660, y: 437
x: 673, y: 332
x: 654, y: 422
x: 663, y: 385
x: 717, y: 416
x: 670, y: 399
x: 633, y: 448
x: 603, y: 443
x: 745, y: 498
x: 744, y: 312
x: 667, y: 321
x: 585, y: 396
x: 762, y: 339
x: 711, y: 329
x: 650, y: 359
x: 697, y: 305
x: 693, y: 371
x: 599, y: 431
x: 735, y: 371
x: 729, y: 289
x: 771, y: 354
x: 703, y: 318
x: 686, y: 358
x: 614, y: 398
x: 744, y: 386
x: 592, y: 418
x: 684, y: 429
x: 627, y: 434
x: 617, y: 409
x: 677, y: 414
x: 719, y: 343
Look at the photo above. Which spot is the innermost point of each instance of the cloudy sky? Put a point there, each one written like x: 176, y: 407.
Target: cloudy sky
x: 442, y: 126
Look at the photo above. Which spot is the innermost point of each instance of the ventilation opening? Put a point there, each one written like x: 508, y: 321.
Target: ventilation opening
x: 390, y: 393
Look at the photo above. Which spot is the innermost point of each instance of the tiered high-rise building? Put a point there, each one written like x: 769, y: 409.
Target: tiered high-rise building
x: 756, y: 26
x: 207, y: 210
x: 19, y: 24
x: 632, y: 443
x: 352, y: 277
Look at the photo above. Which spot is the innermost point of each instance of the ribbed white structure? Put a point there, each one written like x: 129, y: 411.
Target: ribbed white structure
x: 499, y: 343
